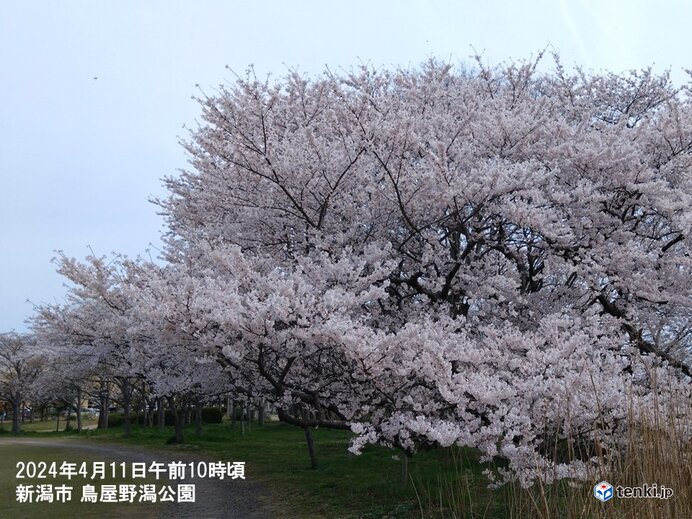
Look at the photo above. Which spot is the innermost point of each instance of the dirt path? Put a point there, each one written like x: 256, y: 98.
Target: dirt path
x: 215, y: 499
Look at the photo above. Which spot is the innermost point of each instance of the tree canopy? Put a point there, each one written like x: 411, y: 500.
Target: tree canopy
x: 496, y: 258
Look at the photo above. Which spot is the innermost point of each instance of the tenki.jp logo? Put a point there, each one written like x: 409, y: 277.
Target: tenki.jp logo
x: 603, y: 491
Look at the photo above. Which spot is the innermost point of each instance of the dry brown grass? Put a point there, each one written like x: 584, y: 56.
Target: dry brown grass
x: 658, y: 451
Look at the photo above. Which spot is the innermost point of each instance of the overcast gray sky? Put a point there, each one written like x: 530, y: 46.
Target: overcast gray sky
x: 94, y: 95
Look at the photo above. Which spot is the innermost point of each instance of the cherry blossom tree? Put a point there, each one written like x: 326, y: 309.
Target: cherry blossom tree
x: 496, y: 258
x: 176, y: 364
x: 435, y: 257
x: 67, y: 379
x: 94, y: 323
x: 21, y: 364
x: 130, y: 320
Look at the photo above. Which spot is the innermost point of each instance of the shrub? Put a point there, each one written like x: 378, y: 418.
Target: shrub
x: 116, y: 419
x: 168, y: 418
x: 212, y: 415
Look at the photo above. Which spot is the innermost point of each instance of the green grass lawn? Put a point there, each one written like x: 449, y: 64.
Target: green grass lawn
x: 442, y: 483
x: 12, y: 453
x: 49, y: 425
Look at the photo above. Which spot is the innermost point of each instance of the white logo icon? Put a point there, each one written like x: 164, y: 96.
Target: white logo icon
x: 603, y: 491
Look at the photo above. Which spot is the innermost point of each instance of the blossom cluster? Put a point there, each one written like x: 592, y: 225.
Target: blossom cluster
x: 493, y: 258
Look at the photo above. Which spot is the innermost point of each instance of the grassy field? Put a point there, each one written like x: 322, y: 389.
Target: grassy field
x: 443, y: 483
x: 12, y: 453
x: 344, y: 485
x: 50, y: 425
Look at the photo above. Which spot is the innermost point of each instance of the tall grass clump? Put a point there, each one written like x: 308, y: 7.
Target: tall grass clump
x: 654, y: 448
x: 650, y: 443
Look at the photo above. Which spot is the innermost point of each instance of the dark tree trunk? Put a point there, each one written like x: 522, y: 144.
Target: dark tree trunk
x: 250, y: 416
x: 198, y: 417
x: 150, y: 415
x: 162, y: 413
x: 79, y: 409
x: 104, y: 403
x: 69, y: 417
x: 16, y: 414
x: 188, y: 413
x: 405, y: 458
x: 311, y: 446
x: 307, y: 420
x: 242, y: 418
x: 126, y: 390
x: 261, y: 413
x: 178, y: 420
